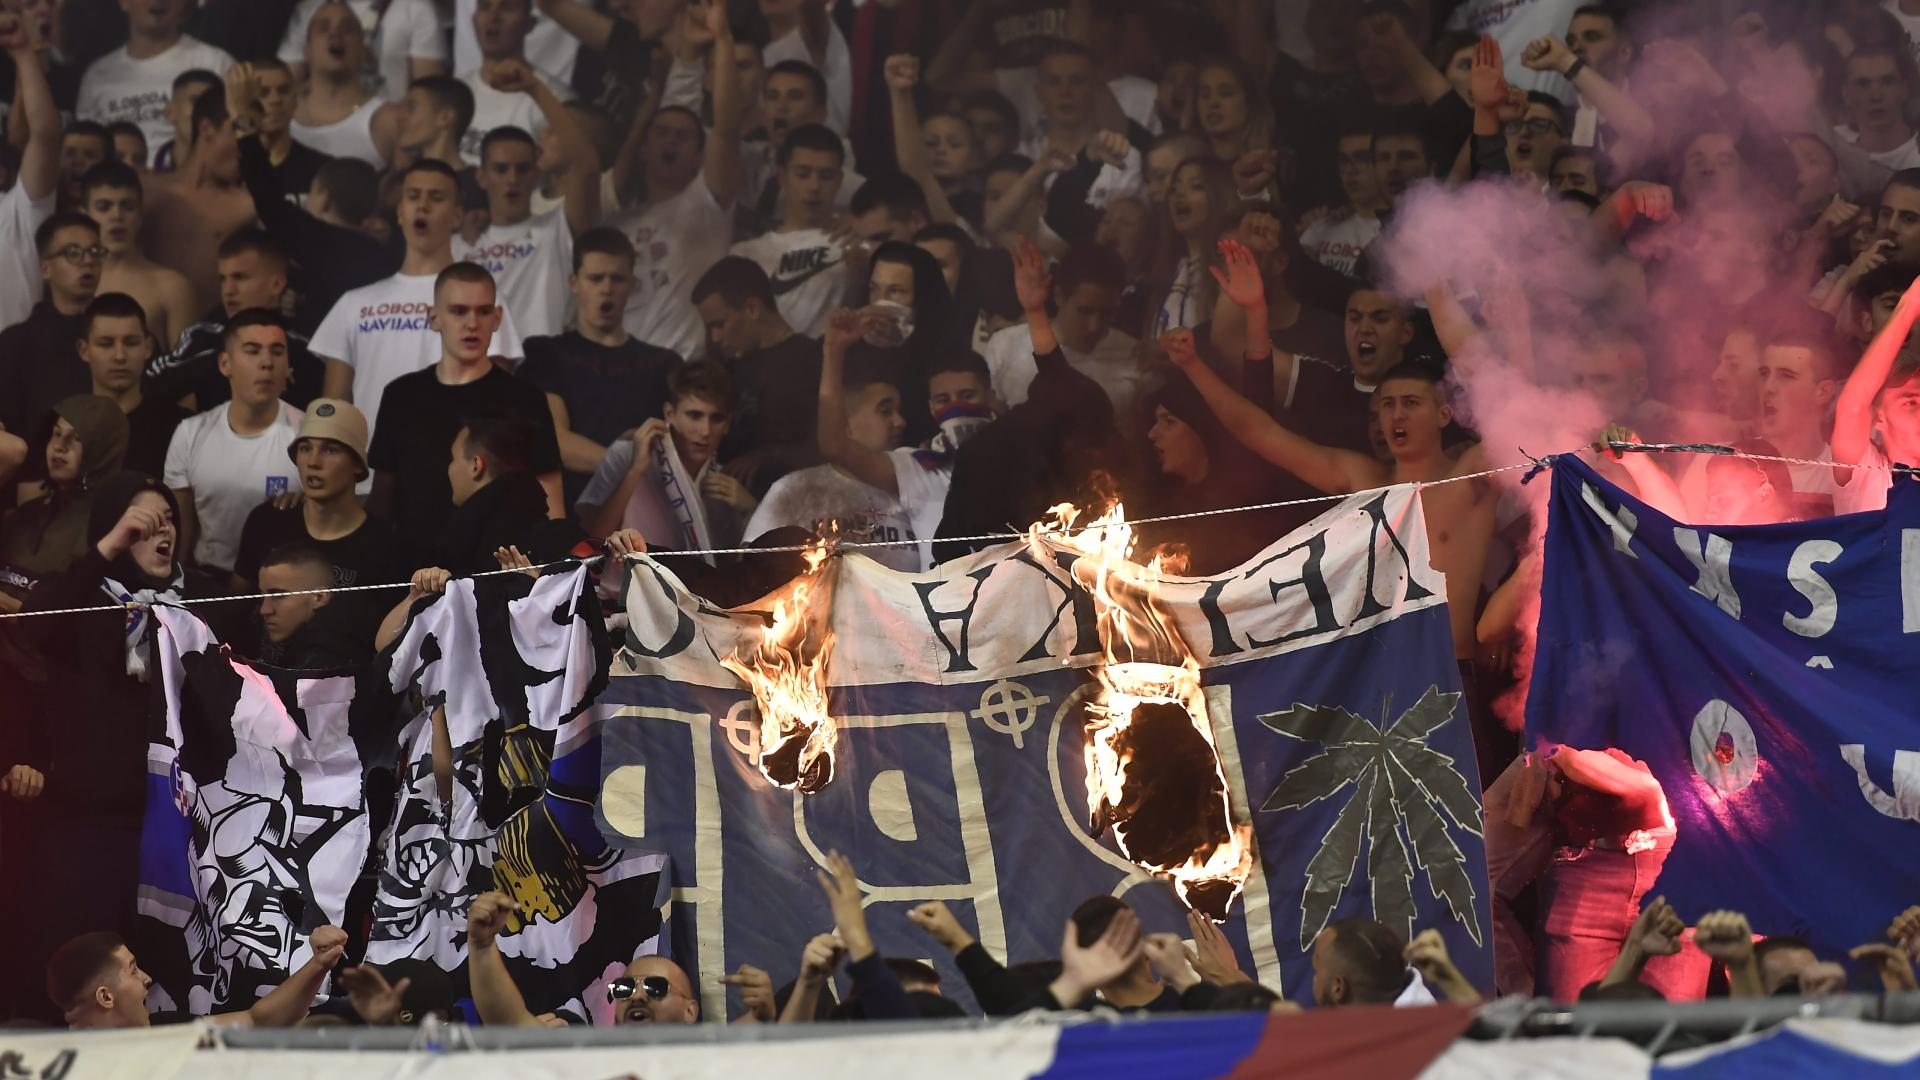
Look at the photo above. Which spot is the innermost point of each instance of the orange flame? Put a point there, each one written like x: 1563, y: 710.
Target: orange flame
x: 1171, y: 817
x: 787, y: 673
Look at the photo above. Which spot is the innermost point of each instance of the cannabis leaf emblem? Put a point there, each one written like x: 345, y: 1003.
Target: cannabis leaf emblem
x: 1398, y: 780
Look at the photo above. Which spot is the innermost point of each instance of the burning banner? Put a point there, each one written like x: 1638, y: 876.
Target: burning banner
x: 1045, y: 721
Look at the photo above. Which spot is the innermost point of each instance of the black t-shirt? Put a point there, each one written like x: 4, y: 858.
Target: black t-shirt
x: 778, y: 393
x: 413, y: 437
x: 149, y: 430
x: 297, y: 171
x: 374, y: 554
x: 1329, y: 408
x: 1315, y: 334
x: 608, y: 391
x: 39, y: 366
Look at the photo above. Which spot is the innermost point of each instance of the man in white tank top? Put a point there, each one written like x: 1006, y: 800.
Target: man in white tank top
x: 337, y: 115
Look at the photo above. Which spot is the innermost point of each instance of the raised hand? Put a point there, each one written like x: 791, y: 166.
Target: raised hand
x: 1032, y: 282
x: 1547, y: 54
x: 1725, y: 936
x: 1109, y: 148
x: 937, y: 921
x: 1181, y: 348
x: 1871, y: 258
x: 328, y: 943
x: 821, y: 958
x: 844, y: 895
x: 489, y: 915
x: 1085, y: 969
x: 377, y: 1001
x: 1891, y: 962
x: 1643, y: 199
x: 512, y: 558
x: 14, y: 36
x: 23, y: 782
x: 844, y: 327
x: 509, y: 76
x: 1170, y: 960
x: 756, y: 992
x: 1905, y: 931
x: 1240, y: 279
x: 1212, y: 954
x: 1657, y: 931
x: 136, y: 523
x: 1255, y: 169
x: 1839, y: 217
x: 1489, y: 78
x: 902, y: 73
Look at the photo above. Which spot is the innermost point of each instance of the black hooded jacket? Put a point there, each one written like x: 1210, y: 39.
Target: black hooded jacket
x: 96, y: 719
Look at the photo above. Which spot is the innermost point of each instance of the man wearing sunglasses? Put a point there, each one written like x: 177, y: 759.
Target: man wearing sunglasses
x: 653, y: 991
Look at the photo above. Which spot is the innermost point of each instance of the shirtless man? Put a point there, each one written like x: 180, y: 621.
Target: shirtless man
x: 338, y: 115
x: 112, y: 197
x: 194, y: 209
x: 1412, y: 409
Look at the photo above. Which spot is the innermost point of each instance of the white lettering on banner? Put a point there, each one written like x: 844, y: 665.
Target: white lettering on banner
x: 1715, y: 567
x: 1723, y: 748
x: 1808, y: 583
x: 892, y: 809
x: 1620, y: 522
x: 1910, y: 581
x: 1905, y: 800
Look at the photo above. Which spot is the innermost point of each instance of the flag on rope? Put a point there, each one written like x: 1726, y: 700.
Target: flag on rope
x: 1764, y: 673
x: 1331, y: 698
x: 261, y: 782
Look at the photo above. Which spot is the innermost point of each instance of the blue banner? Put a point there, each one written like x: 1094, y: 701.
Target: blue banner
x: 1332, y: 699
x: 1765, y: 675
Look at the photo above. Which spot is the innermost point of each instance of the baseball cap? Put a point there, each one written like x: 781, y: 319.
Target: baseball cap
x: 331, y: 418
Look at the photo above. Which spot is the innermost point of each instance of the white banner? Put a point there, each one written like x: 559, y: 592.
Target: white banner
x: 97, y: 1055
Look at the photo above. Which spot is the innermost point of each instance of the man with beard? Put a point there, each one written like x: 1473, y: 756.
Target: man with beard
x: 654, y: 990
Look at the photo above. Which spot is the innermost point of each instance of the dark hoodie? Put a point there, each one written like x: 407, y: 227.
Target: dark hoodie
x: 510, y: 511
x: 94, y: 727
x: 48, y: 534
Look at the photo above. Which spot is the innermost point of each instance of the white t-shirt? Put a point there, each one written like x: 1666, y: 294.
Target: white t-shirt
x: 381, y: 331
x: 229, y: 475
x: 838, y: 71
x: 530, y: 262
x: 809, y: 274
x: 351, y: 136
x: 118, y: 87
x: 674, y: 240
x: 407, y: 30
x: 923, y: 478
x: 20, y: 284
x: 1866, y: 487
x: 1337, y: 244
x: 549, y: 47
x: 492, y: 109
x: 1909, y: 23
x: 1181, y: 307
x: 1814, y: 479
x: 1515, y: 24
x: 1904, y: 156
x: 1112, y: 363
x: 806, y: 498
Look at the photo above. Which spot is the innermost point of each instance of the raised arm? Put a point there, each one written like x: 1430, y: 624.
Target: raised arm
x: 580, y: 188
x: 722, y: 171
x: 1000, y: 213
x: 40, y: 161
x: 1242, y: 306
x: 1628, y: 117
x: 285, y: 1005
x: 909, y: 149
x: 495, y: 996
x: 1033, y: 285
x: 1333, y: 471
x: 872, y: 467
x: 1853, y: 411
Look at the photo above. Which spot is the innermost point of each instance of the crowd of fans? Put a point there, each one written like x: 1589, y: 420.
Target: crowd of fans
x: 305, y: 294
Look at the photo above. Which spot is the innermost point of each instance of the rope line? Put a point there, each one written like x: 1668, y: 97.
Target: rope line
x: 1533, y: 464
